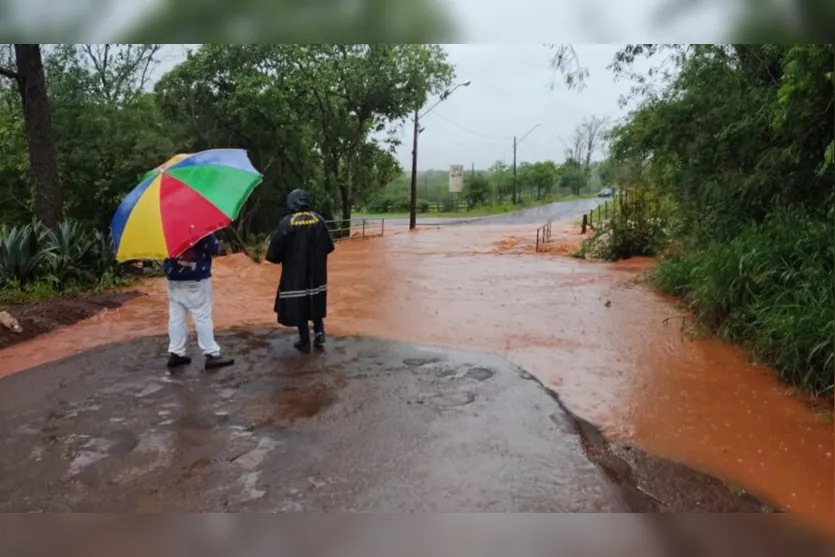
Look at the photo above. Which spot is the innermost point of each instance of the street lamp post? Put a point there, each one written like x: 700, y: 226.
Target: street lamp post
x: 515, y: 144
x: 416, y: 132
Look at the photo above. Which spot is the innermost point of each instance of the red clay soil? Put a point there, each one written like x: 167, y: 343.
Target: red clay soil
x: 37, y: 319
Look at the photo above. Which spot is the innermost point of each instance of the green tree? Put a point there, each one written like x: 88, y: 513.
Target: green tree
x: 310, y: 115
x: 109, y: 131
x: 544, y: 176
x: 476, y: 189
x: 573, y: 179
x: 501, y: 180
x: 740, y: 139
x: 608, y: 172
x: 359, y: 89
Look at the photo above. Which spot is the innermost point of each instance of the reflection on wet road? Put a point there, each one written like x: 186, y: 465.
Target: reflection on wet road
x: 615, y: 351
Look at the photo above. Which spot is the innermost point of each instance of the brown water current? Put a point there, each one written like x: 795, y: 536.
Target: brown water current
x: 618, y: 354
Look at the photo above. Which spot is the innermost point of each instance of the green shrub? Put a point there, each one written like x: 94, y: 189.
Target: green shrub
x: 769, y: 289
x: 256, y: 247
x: 69, y: 257
x: 640, y: 224
x: 476, y: 190
x: 379, y: 205
x: 77, y: 255
x: 400, y: 205
x: 24, y: 254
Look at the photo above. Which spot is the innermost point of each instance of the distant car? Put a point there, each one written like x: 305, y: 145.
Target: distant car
x: 606, y: 192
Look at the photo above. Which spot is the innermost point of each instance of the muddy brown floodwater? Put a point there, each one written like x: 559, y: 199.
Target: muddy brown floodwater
x: 617, y: 353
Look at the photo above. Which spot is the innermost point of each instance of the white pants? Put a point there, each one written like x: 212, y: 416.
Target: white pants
x: 193, y: 297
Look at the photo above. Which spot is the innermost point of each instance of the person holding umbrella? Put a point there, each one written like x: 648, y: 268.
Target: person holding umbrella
x: 172, y: 216
x: 190, y: 292
x: 301, y: 243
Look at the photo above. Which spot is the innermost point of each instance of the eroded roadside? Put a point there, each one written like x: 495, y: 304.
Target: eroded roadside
x: 37, y: 319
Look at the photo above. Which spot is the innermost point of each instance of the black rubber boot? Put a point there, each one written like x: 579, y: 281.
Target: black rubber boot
x: 303, y: 347
x: 319, y: 340
x: 175, y: 361
x: 216, y: 362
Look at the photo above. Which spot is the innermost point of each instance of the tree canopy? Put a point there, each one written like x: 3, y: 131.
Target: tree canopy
x: 317, y: 116
x: 741, y: 140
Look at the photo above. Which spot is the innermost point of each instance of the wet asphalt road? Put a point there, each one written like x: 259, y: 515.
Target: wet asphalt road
x: 535, y: 215
x: 368, y: 425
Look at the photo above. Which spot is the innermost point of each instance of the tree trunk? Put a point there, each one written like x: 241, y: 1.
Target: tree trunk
x: 345, y: 195
x: 38, y: 118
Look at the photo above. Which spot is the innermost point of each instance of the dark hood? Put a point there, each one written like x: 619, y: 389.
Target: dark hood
x: 297, y: 200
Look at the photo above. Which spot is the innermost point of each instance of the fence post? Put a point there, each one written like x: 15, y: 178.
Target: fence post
x: 585, y: 223
x: 363, y: 229
x: 383, y: 228
x: 537, y: 239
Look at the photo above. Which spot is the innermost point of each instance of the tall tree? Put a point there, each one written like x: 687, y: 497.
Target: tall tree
x: 589, y: 138
x: 359, y: 89
x: 31, y: 83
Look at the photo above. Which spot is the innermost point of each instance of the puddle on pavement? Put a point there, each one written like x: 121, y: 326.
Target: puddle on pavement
x: 615, y: 351
x: 299, y: 403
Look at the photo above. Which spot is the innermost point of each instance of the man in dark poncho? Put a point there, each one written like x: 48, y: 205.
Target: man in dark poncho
x: 301, y: 244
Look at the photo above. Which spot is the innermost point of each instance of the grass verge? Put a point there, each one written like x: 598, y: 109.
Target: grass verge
x: 46, y: 290
x: 770, y: 289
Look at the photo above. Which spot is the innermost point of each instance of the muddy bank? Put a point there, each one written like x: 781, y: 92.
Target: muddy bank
x: 366, y: 426
x: 39, y: 318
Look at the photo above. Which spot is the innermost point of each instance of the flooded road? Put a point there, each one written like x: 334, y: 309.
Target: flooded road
x: 618, y: 354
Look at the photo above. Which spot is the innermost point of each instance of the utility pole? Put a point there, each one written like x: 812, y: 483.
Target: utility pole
x: 413, y: 200
x: 515, y: 144
x: 472, y: 174
x: 514, y: 170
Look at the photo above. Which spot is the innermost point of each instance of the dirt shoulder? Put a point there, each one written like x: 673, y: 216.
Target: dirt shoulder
x: 43, y: 317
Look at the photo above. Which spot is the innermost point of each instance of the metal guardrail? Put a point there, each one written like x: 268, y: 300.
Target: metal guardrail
x: 604, y: 211
x: 543, y: 235
x: 357, y: 228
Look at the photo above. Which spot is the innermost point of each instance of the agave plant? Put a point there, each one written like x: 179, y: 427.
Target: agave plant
x: 24, y: 253
x: 77, y: 254
x: 100, y: 257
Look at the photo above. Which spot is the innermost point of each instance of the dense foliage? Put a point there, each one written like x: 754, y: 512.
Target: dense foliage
x: 317, y: 116
x: 40, y: 261
x: 740, y: 138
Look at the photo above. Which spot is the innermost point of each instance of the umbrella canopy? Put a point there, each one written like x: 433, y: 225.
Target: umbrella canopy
x: 182, y: 201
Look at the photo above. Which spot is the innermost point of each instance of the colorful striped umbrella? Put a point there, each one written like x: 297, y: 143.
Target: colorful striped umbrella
x: 182, y: 201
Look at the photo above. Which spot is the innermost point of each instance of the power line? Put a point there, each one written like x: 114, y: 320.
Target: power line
x: 468, y: 130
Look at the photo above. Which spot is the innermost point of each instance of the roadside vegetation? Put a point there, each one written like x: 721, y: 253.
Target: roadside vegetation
x: 37, y: 263
x: 729, y: 162
x: 92, y: 124
x: 491, y: 191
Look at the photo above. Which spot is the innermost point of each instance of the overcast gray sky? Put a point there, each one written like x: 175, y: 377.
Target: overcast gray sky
x: 510, y: 90
x: 509, y: 94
